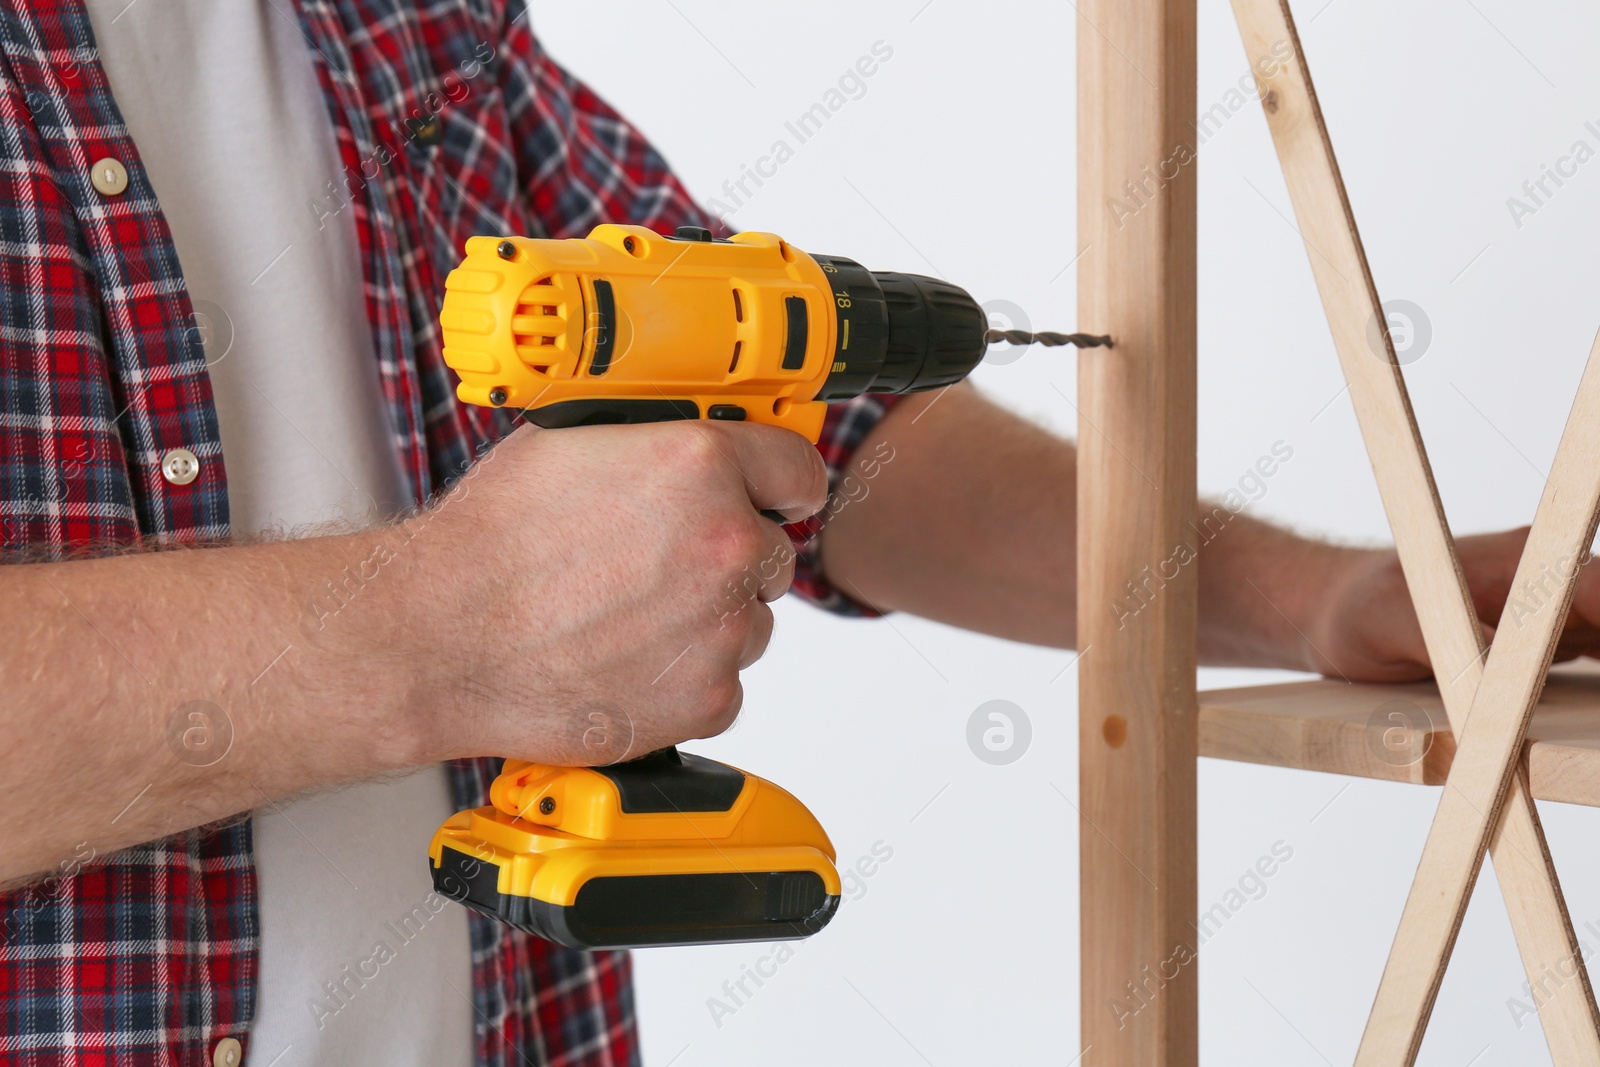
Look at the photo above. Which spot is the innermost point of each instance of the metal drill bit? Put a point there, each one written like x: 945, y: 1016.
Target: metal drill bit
x: 1050, y: 340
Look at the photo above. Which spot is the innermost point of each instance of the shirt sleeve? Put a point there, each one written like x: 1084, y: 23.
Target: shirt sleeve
x: 847, y: 426
x: 579, y: 162
x: 582, y: 164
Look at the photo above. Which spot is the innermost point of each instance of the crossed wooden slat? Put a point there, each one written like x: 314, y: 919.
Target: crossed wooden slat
x: 1485, y: 804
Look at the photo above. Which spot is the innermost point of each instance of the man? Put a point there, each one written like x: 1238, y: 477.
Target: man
x: 224, y: 229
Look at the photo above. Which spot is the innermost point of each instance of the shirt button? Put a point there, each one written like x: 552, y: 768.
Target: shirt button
x: 228, y: 1053
x: 426, y: 131
x: 180, y: 467
x: 109, y: 176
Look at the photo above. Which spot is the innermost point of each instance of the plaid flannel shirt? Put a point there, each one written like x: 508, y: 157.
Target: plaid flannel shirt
x: 451, y: 121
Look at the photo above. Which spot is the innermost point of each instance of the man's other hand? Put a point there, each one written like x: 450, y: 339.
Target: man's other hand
x: 1365, y: 629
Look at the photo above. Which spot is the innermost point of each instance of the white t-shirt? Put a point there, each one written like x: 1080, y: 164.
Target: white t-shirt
x: 360, y: 963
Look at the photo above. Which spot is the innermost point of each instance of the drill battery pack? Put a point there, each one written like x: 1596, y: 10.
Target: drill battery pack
x: 669, y: 849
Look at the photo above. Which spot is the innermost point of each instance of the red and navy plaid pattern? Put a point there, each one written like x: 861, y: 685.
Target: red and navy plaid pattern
x: 451, y: 121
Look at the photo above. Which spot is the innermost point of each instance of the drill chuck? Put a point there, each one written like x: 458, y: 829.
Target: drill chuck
x: 905, y: 332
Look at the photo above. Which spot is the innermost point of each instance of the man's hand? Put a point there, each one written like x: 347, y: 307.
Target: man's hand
x: 1365, y: 628
x: 594, y: 592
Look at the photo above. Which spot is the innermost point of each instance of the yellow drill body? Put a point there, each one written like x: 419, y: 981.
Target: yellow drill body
x: 705, y: 322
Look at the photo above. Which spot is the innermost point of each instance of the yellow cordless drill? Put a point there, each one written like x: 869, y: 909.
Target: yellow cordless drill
x: 630, y: 326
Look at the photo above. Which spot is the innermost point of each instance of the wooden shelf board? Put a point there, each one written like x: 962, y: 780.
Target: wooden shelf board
x: 1399, y: 733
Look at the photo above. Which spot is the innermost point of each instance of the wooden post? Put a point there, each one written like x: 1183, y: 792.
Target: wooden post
x: 1136, y: 502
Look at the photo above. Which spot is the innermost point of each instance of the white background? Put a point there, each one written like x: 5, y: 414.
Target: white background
x: 959, y: 161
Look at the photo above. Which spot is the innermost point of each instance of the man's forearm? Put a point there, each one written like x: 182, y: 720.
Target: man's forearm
x: 974, y: 523
x: 567, y: 601
x: 148, y: 693
x: 971, y: 522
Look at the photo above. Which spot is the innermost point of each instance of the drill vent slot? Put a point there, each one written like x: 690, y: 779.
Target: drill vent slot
x: 535, y: 304
x: 734, y: 363
x: 605, y: 330
x: 738, y: 307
